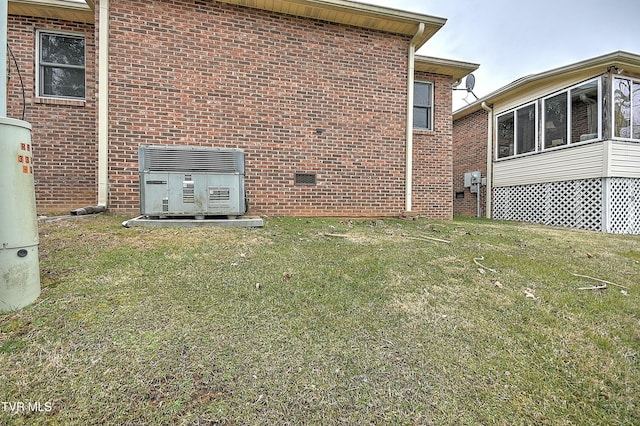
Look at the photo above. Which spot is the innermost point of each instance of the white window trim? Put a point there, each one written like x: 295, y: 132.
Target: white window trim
x: 568, y: 90
x: 543, y: 122
x: 431, y: 108
x: 600, y: 105
x: 536, y: 148
x: 613, y: 106
x: 38, y: 90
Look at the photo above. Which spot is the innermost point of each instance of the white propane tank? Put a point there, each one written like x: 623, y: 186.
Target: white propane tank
x: 19, y: 266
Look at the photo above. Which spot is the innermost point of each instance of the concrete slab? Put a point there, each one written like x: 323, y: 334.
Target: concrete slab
x: 241, y: 222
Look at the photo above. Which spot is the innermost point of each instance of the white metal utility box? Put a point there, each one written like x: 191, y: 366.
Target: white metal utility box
x: 191, y: 181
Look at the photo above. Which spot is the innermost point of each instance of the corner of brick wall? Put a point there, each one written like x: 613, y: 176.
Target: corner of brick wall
x: 469, y: 154
x: 432, y: 155
x: 63, y: 132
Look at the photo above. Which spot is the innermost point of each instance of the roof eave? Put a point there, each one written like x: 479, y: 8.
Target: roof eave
x: 55, y: 9
x: 623, y: 60
x: 456, y: 69
x: 352, y: 13
x: 339, y: 11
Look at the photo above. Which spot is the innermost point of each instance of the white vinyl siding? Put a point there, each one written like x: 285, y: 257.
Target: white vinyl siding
x: 577, y: 162
x: 624, y: 158
x: 595, y: 160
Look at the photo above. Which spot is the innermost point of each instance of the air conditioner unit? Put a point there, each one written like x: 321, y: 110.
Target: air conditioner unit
x: 191, y: 181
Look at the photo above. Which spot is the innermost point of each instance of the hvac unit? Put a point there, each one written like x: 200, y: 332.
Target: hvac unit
x: 191, y: 181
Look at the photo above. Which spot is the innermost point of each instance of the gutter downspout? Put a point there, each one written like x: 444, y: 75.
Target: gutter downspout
x: 4, y: 6
x: 103, y: 104
x: 489, y: 187
x: 408, y: 191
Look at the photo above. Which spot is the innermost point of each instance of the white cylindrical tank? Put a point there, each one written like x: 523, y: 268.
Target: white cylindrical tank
x: 19, y: 266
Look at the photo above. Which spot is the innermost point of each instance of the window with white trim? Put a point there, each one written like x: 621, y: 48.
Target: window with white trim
x: 423, y: 105
x: 517, y: 131
x: 60, y: 65
x: 626, y: 108
x: 555, y: 120
x: 572, y: 116
x: 585, y: 112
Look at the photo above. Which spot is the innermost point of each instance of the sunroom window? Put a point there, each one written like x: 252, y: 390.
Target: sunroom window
x: 582, y: 105
x: 526, y: 129
x: 585, y: 112
x: 506, y: 137
x: 626, y: 108
x: 555, y: 120
x: 517, y: 131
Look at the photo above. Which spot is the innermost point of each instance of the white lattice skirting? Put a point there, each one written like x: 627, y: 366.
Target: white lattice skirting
x: 608, y: 205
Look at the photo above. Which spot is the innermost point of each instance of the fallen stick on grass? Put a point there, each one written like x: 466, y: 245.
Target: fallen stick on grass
x: 600, y: 281
x: 595, y: 287
x: 476, y: 259
x: 429, y: 239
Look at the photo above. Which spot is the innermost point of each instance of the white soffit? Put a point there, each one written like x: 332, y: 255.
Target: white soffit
x: 351, y: 13
x: 55, y: 9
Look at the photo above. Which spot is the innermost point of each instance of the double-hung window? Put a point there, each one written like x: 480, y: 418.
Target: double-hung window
x: 60, y: 65
x: 423, y: 105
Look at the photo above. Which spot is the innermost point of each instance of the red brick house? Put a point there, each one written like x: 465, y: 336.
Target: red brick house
x: 327, y: 88
x: 561, y: 147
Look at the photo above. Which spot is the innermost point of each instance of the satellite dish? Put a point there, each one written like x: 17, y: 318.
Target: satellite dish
x: 470, y: 82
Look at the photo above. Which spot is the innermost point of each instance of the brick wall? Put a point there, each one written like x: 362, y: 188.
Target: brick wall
x: 205, y: 73
x: 63, y: 135
x: 297, y: 95
x: 432, y: 150
x: 469, y: 154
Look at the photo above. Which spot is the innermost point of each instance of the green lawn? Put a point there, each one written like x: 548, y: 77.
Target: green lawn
x: 326, y: 321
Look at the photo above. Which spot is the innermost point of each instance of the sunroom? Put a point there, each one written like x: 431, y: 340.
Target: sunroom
x: 567, y: 147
